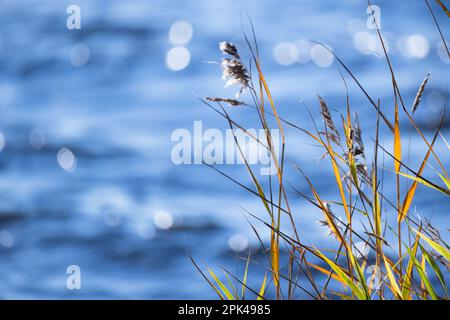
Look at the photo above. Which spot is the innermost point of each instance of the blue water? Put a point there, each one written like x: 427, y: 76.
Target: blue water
x: 116, y: 114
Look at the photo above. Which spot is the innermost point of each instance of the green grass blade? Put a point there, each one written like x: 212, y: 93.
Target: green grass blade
x: 422, y: 181
x: 435, y: 267
x: 423, y: 276
x: 355, y: 288
x: 443, y: 251
x: 446, y: 181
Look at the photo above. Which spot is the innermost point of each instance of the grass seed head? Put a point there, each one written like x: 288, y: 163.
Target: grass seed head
x: 420, y: 92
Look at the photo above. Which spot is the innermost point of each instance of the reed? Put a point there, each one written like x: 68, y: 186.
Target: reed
x: 414, y: 268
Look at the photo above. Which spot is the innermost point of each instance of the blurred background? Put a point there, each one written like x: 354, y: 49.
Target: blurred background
x: 86, y: 117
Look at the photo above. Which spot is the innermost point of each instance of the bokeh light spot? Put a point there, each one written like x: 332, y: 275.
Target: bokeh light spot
x: 79, y: 55
x: 238, y: 243
x: 163, y: 220
x: 180, y: 33
x: 66, y: 160
x: 415, y: 46
x: 178, y: 58
x: 285, y: 53
x: 321, y: 56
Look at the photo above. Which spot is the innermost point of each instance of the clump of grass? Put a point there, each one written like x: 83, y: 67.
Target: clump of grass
x: 412, y: 268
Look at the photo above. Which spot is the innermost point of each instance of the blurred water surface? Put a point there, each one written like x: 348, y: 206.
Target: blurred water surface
x: 86, y: 117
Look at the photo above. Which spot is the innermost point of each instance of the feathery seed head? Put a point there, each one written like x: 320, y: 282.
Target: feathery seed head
x: 228, y: 48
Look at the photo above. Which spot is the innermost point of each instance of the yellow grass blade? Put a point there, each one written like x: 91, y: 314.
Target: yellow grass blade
x: 446, y: 181
x: 412, y: 190
x: 221, y: 285
x: 422, y: 274
x: 274, y: 252
x: 327, y: 273
x: 263, y: 288
x: 396, y: 290
x: 244, y: 280
x: 323, y: 207
x: 233, y: 288
x: 421, y: 181
x: 440, y: 249
x: 337, y: 176
x: 269, y: 96
x: 407, y: 202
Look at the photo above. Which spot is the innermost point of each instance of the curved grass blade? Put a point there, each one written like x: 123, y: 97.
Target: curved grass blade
x: 355, y: 288
x: 423, y: 276
x: 244, y: 280
x: 435, y: 267
x: 396, y: 290
x: 446, y: 181
x: 443, y: 8
x: 262, y: 291
x: 425, y: 183
x: 206, y: 278
x: 328, y: 273
x: 440, y: 249
x: 221, y: 285
x: 406, y: 283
